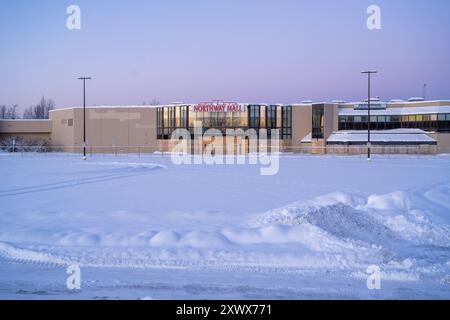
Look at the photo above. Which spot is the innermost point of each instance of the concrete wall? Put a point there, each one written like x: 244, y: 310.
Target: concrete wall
x: 331, y: 120
x: 26, y: 129
x: 62, y: 134
x: 301, y: 123
x: 107, y: 129
x: 443, y: 141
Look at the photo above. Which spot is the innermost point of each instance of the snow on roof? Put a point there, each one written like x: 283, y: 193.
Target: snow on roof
x: 381, y: 136
x: 307, y: 138
x: 105, y: 107
x: 396, y: 111
x: 154, y: 106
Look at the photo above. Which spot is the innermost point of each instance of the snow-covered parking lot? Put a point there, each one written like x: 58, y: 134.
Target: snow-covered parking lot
x: 142, y: 227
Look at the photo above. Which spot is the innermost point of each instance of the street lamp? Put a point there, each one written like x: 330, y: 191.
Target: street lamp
x: 368, y: 72
x: 84, y: 114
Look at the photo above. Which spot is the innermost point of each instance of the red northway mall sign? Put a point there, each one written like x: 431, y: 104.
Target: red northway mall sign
x: 219, y: 106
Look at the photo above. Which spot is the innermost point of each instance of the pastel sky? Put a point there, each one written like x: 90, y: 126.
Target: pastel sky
x: 235, y: 50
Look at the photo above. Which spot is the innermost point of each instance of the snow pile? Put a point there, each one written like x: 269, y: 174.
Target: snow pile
x: 17, y: 254
x: 336, y: 214
x: 335, y: 230
x: 380, y: 220
x: 148, y: 213
x: 396, y: 212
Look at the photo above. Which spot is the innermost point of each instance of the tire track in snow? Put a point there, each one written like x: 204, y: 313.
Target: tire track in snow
x: 76, y: 182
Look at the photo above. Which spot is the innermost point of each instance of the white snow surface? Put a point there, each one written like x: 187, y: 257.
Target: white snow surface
x: 143, y: 227
x: 395, y: 135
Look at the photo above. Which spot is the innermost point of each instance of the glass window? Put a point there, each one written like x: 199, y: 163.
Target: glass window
x: 254, y: 116
x: 357, y: 119
x: 279, y: 119
x: 434, y: 117
x: 271, y: 117
x: 287, y: 122
x: 441, y: 117
x: 192, y: 116
x: 229, y: 116
x: 317, y: 121
x: 178, y: 116
x: 206, y: 119
x: 381, y: 118
x: 395, y: 118
x: 243, y: 119
x: 262, y: 117
x: 166, y: 117
x: 182, y: 117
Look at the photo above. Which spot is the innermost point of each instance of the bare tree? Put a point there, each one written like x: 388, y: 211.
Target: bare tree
x: 3, y: 111
x: 39, y: 111
x: 154, y: 102
x: 11, y: 112
x: 28, y: 113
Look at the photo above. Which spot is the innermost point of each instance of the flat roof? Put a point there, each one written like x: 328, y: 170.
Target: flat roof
x: 307, y: 138
x: 107, y: 107
x: 394, y: 102
x: 155, y: 106
x: 381, y: 136
x: 345, y: 108
x: 396, y: 111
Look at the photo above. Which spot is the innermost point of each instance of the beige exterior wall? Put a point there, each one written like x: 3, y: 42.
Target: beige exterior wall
x: 317, y: 146
x: 27, y: 136
x: 331, y: 119
x: 107, y: 129
x: 133, y: 129
x: 62, y: 134
x: 443, y: 141
x: 26, y: 129
x: 25, y: 126
x: 301, y: 123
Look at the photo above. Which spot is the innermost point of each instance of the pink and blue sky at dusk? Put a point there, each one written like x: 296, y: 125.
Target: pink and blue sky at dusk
x: 199, y: 50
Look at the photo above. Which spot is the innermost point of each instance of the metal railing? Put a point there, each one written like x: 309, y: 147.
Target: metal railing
x: 388, y: 151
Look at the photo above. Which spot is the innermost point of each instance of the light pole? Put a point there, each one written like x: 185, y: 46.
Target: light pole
x: 424, y: 91
x: 368, y: 72
x: 84, y: 114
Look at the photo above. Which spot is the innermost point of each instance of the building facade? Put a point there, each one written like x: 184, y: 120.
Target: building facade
x: 303, y: 127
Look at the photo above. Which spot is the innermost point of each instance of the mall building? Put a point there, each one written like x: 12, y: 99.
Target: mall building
x: 396, y: 126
